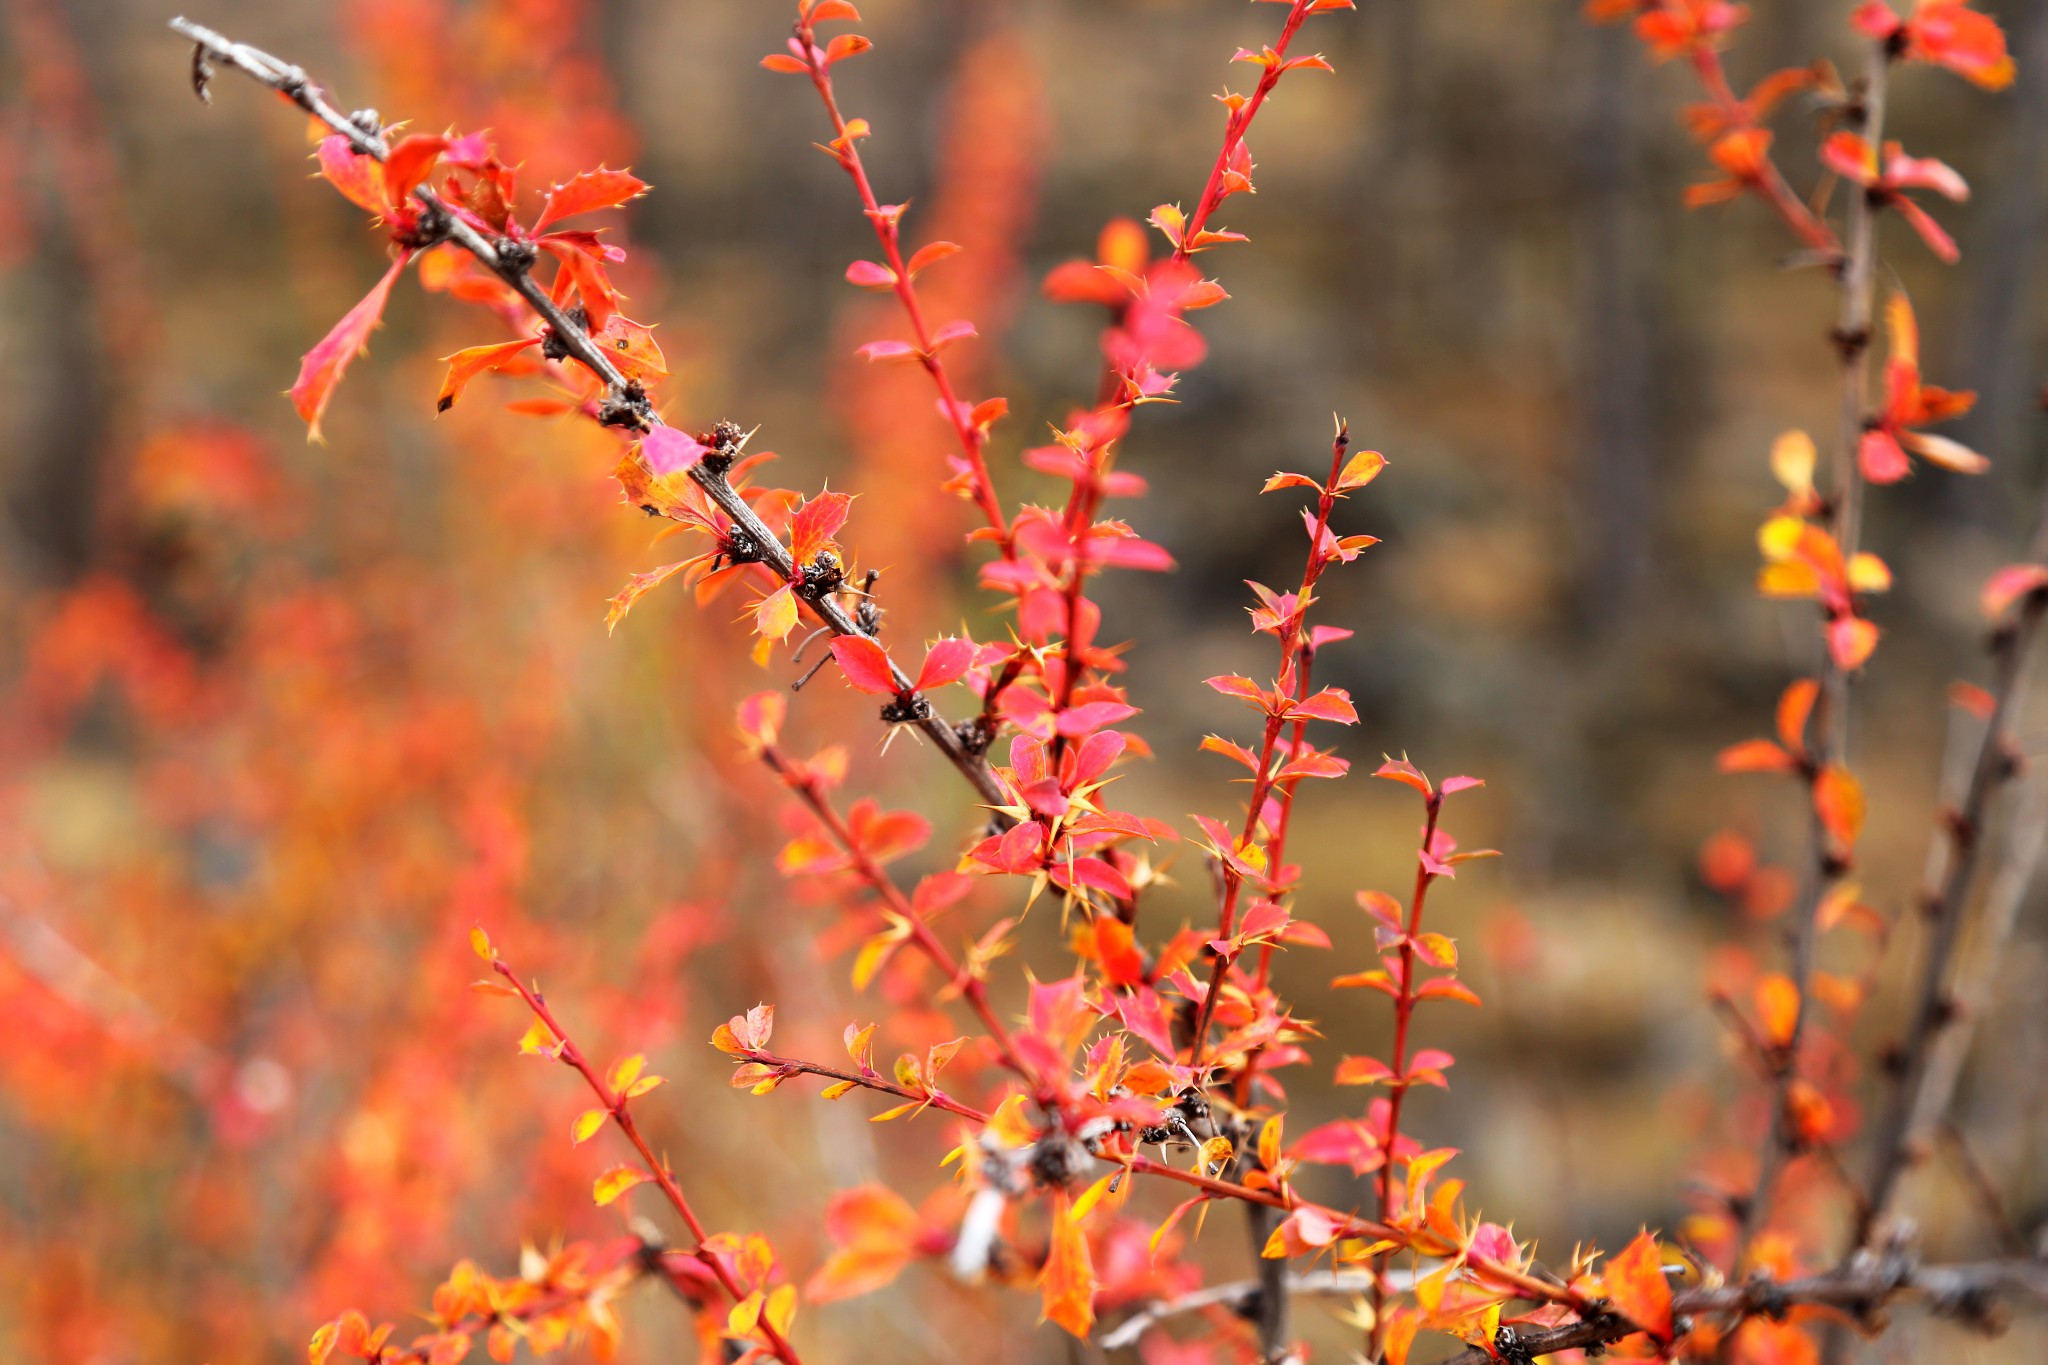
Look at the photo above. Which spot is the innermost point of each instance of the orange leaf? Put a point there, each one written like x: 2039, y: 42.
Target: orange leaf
x: 1067, y: 1284
x: 589, y: 190
x: 466, y: 365
x: 1635, y: 1282
x: 1838, y: 800
x: 1777, y: 1007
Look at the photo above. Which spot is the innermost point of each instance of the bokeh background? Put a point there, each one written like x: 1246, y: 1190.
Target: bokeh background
x: 282, y: 721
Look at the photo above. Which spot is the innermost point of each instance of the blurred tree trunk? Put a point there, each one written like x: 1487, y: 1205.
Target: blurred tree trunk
x: 1618, y: 449
x: 1998, y: 337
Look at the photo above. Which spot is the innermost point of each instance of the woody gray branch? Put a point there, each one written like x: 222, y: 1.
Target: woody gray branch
x: 1972, y: 1293
x: 570, y: 336
x: 1923, y: 1080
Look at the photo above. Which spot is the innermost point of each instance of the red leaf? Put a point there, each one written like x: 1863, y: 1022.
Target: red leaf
x: 410, y: 163
x: 1346, y: 1142
x: 1332, y: 703
x: 865, y: 664
x: 815, y: 523
x: 588, y: 191
x: 946, y: 662
x: 322, y: 367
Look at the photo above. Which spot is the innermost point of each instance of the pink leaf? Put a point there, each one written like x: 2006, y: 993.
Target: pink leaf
x: 869, y: 275
x: 321, y: 369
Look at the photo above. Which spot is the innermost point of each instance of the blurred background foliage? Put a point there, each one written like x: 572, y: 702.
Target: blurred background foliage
x: 282, y: 721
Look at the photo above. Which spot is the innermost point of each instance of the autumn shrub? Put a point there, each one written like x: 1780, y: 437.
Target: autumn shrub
x: 1120, y: 1091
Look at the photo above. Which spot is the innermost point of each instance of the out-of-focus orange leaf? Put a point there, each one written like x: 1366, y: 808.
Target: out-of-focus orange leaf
x: 1838, y: 801
x: 1067, y: 1284
x: 1635, y: 1282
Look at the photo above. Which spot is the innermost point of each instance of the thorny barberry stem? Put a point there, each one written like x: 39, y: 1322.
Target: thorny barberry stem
x: 791, y: 1066
x: 887, y: 224
x: 1919, y: 1093
x: 1234, y: 130
x: 1404, y: 1013
x: 1523, y: 1285
x: 966, y: 980
x: 1770, y: 183
x: 1830, y: 725
x: 572, y: 338
x: 1291, y: 675
x: 615, y: 1105
x: 1858, y: 1289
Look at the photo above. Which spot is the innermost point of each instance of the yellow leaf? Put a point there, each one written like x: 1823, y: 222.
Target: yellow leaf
x: 1269, y: 1142
x: 775, y: 617
x: 642, y: 1086
x: 873, y: 954
x: 481, y: 941
x: 836, y: 1089
x: 1777, y: 538
x: 587, y: 1123
x: 747, y: 1312
x: 1792, y: 461
x: 1429, y: 1290
x: 1010, y: 1125
x: 898, y: 1112
x: 540, y: 1041
x: 625, y: 1071
x: 782, y: 1308
x: 616, y: 1182
x: 1093, y: 1196
x: 1215, y: 1151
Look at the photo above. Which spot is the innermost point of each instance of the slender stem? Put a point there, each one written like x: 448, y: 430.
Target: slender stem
x: 790, y: 1066
x: 1828, y: 743
x: 1234, y: 131
x: 1857, y: 1290
x: 573, y: 338
x: 1288, y: 684
x: 1404, y: 1012
x: 1351, y: 1226
x: 1934, y: 1008
x: 1970, y: 1293
x: 1769, y: 185
x: 615, y: 1105
x: 888, y: 232
x: 808, y: 789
